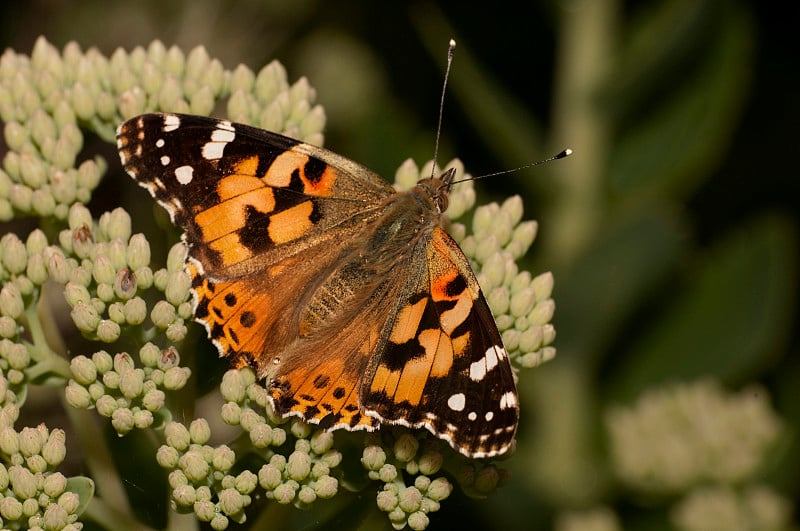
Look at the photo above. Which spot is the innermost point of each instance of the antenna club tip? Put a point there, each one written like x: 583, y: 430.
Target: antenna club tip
x: 452, y: 43
x: 566, y: 153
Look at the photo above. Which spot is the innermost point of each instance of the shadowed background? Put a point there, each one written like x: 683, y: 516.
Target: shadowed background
x: 671, y: 232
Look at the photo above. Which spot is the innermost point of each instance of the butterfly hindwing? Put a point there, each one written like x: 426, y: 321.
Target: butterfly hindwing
x: 444, y: 366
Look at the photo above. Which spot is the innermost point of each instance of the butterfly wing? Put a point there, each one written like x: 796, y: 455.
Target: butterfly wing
x: 257, y: 209
x: 443, y: 366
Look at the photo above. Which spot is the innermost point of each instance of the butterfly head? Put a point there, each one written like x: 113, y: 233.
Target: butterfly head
x: 438, y: 189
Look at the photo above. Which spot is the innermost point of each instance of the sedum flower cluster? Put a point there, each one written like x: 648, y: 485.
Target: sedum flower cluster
x: 84, y: 307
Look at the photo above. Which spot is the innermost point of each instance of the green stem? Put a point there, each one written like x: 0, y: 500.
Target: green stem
x: 585, y: 52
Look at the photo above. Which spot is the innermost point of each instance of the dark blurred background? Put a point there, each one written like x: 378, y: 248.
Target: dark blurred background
x: 671, y: 232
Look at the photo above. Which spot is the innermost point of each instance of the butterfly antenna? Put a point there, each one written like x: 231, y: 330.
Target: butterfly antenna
x: 560, y: 155
x: 451, y: 50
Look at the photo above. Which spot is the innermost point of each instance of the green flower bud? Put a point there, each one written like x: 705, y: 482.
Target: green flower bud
x: 219, y: 522
x: 103, y: 361
x: 498, y: 299
x: 205, y: 511
x: 89, y: 174
x: 285, y: 492
x: 18, y: 357
x: 548, y: 334
x: 54, y: 450
x: 144, y: 277
x: 134, y: 311
x: 116, y: 312
x: 103, y: 271
x: 82, y: 102
x: 177, y: 288
x: 543, y: 286
x: 224, y: 458
x: 43, y: 203
x: 24, y: 285
x: 23, y: 482
x: 96, y: 391
x: 233, y: 386
x: 11, y: 304
x: 176, y: 378
x: 430, y: 463
x: 194, y: 466
x: 231, y: 413
x: 83, y: 370
x: 30, y: 442
x: 55, y: 517
x: 106, y: 405
x: 542, y: 313
x: 70, y: 501
x: 405, y: 448
x: 387, y: 500
x: 108, y: 331
x: 154, y: 400
x: 131, y: 383
x: 418, y: 520
x: 143, y: 419
x: 269, y: 477
x: 36, y: 270
x: 176, y: 331
x: 10, y: 509
x: 388, y: 473
x: 32, y: 171
x: 176, y: 257
x: 122, y: 420
x: 298, y: 466
x: 487, y: 479
x: 77, y: 396
x: 138, y: 252
x: 149, y: 354
x: 531, y: 339
x: 439, y: 489
x: 199, y: 431
x: 167, y: 456
x: 9, y: 441
x: 54, y: 484
x: 321, y: 441
x: 163, y: 314
x: 373, y: 457
x: 231, y: 501
x: 177, y: 436
x: 14, y: 255
x: 184, y: 495
x: 85, y: 317
x: 8, y: 328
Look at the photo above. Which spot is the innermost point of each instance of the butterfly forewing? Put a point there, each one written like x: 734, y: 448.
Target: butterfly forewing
x: 347, y: 297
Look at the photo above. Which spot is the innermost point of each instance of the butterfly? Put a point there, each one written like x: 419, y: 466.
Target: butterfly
x: 347, y: 297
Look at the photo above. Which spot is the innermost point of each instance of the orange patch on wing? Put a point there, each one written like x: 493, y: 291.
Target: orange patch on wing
x: 385, y: 380
x: 291, y: 223
x: 323, y: 186
x: 247, y: 167
x: 439, y: 350
x: 279, y: 173
x: 407, y: 324
x: 237, y: 192
x: 231, y: 249
x: 455, y: 316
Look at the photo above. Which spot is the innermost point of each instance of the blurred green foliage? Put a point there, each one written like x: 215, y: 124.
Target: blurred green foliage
x: 671, y: 232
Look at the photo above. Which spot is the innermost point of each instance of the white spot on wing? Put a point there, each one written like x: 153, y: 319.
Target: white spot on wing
x: 508, y: 400
x: 184, y: 174
x: 160, y: 143
x: 489, y: 416
x: 479, y: 369
x: 472, y: 415
x: 457, y: 402
x: 220, y: 137
x: 171, y: 122
x: 165, y: 160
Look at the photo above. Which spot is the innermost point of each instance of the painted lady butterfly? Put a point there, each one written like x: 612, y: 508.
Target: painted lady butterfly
x: 346, y: 296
